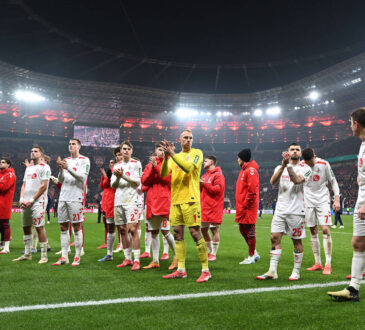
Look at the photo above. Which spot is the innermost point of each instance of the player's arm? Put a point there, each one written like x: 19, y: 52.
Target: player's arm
x: 6, y: 184
x: 335, y: 187
x: 22, y: 191
x: 117, y: 181
x: 216, y: 187
x: 43, y: 187
x: 165, y: 168
x: 82, y: 175
x: 296, y: 178
x: 148, y: 175
x: 252, y: 183
x: 277, y: 175
x: 135, y: 178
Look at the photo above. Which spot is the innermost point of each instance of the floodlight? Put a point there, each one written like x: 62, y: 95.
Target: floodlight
x: 186, y: 112
x: 29, y: 96
x: 273, y: 110
x: 257, y: 113
x: 313, y: 95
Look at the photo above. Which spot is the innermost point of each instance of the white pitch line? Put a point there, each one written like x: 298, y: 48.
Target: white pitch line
x: 167, y: 298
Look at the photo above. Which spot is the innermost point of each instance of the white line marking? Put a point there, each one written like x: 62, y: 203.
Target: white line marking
x: 167, y: 298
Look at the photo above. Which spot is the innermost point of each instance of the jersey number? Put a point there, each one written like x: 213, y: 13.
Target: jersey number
x: 297, y: 232
x: 76, y: 217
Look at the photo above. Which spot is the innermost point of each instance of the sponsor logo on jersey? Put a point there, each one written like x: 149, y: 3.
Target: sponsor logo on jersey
x: 361, y: 162
x: 128, y: 173
x: 34, y: 176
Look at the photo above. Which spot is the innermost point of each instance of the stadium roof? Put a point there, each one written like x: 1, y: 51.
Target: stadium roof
x: 191, y: 46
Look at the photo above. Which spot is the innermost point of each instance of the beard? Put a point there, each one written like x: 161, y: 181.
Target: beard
x: 295, y: 158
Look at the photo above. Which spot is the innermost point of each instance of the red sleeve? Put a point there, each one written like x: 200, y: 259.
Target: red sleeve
x: 59, y: 185
x: 6, y: 184
x: 104, y: 182
x: 145, y: 188
x: 148, y: 175
x: 165, y: 180
x: 217, y: 186
x: 252, y: 182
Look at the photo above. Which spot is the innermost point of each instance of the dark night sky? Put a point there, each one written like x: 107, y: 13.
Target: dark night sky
x: 207, y: 33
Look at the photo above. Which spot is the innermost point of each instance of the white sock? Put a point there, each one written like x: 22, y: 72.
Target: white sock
x: 147, y: 241
x: 316, y: 248
x: 171, y: 242
x: 43, y: 246
x: 65, y: 243
x: 139, y: 232
x: 34, y: 243
x: 130, y: 245
x: 110, y: 238
x: 215, y: 248
x: 136, y: 254
x: 165, y: 245
x: 298, y: 258
x: 274, y: 260
x: 155, y: 247
x: 209, y: 245
x: 27, y: 241
x: 128, y: 253
x: 78, y: 242
x: 358, y: 265
x: 327, y: 246
x: 6, y: 246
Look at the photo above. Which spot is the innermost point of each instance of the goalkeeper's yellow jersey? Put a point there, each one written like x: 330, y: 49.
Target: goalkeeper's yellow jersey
x: 185, y: 187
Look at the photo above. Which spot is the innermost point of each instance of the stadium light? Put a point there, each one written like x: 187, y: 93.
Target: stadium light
x: 257, y: 113
x: 186, y: 113
x: 313, y: 95
x: 273, y: 110
x: 29, y: 96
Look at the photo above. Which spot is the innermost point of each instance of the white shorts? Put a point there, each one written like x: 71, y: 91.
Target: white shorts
x: 70, y: 212
x: 210, y: 225
x: 359, y: 225
x: 34, y: 215
x: 140, y: 213
x: 124, y: 215
x: 158, y: 222
x: 290, y: 224
x: 110, y: 221
x: 320, y: 215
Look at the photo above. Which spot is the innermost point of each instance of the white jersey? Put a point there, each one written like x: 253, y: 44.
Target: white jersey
x: 126, y: 193
x: 316, y: 190
x: 361, y: 174
x: 33, y: 177
x: 290, y: 197
x: 74, y: 179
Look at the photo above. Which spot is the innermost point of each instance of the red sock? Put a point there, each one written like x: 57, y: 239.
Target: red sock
x: 83, y: 235
x: 7, y: 231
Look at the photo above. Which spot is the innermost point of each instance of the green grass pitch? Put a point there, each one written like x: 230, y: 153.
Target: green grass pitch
x: 27, y: 283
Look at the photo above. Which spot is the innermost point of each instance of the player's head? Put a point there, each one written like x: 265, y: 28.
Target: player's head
x: 186, y: 139
x: 210, y: 162
x: 357, y: 121
x: 36, y: 153
x: 47, y: 159
x: 118, y: 154
x: 126, y: 149
x: 309, y: 156
x: 294, y: 151
x: 74, y: 146
x: 159, y: 150
x: 244, y: 156
x: 5, y: 163
x: 111, y: 163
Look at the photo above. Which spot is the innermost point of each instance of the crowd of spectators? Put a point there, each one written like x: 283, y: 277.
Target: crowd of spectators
x: 18, y: 149
x: 97, y: 136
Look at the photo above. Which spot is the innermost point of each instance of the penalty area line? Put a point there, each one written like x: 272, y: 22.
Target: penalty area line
x: 13, y: 309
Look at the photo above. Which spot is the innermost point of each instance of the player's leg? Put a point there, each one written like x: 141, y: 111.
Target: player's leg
x: 104, y: 246
x: 170, y: 242
x: 207, y: 237
x: 109, y: 240
x: 120, y: 245
x: 34, y: 244
x: 5, y: 225
x: 147, y: 241
x: 27, y: 231
x: 311, y: 220
x: 216, y: 238
x: 327, y: 246
x: 64, y: 219
x: 155, y: 242
x: 38, y: 211
x: 296, y: 225
x: 278, y: 228
x: 136, y: 243
x: 177, y: 223
x: 121, y: 223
